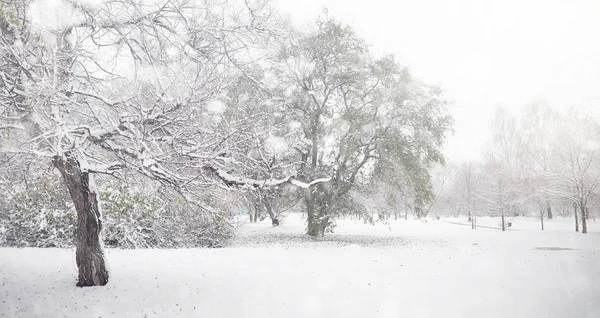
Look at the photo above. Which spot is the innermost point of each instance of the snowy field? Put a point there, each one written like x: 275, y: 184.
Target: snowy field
x: 405, y: 269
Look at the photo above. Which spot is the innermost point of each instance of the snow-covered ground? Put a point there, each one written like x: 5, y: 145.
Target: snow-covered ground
x: 404, y: 269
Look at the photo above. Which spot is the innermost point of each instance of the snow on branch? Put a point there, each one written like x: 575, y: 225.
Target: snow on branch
x: 304, y: 185
x: 20, y: 127
x: 109, y: 168
x: 232, y: 180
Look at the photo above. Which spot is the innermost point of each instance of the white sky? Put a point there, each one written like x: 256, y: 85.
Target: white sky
x: 485, y: 53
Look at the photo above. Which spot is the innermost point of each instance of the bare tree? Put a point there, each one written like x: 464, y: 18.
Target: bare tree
x: 576, y: 166
x: 502, y: 189
x: 538, y: 122
x: 465, y: 187
x: 442, y: 177
x: 500, y: 192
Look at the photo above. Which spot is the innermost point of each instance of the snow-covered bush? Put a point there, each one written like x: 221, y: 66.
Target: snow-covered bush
x: 129, y: 216
x: 37, y: 214
x: 40, y: 214
x: 135, y: 218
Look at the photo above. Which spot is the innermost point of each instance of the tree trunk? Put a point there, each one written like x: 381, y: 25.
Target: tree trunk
x: 269, y: 208
x: 311, y: 198
x: 89, y: 253
x: 583, y: 219
x: 315, y: 227
x: 406, y: 211
x: 256, y: 212
x: 311, y: 228
x: 542, y: 218
x: 316, y: 212
x: 549, y: 212
x: 576, y: 220
x: 472, y: 220
x: 503, y: 225
x: 319, y: 216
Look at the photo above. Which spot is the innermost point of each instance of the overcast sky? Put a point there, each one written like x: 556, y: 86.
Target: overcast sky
x: 485, y: 53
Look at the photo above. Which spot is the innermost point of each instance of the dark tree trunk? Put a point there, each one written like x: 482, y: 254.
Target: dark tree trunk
x: 318, y: 216
x: 583, y: 219
x: 318, y: 204
x: 317, y: 224
x: 89, y: 254
x: 256, y: 212
x: 314, y: 224
x: 503, y: 225
x: 269, y: 208
x: 315, y: 227
x: 311, y: 228
x: 576, y: 220
x: 542, y: 218
x: 549, y: 212
x: 266, y: 200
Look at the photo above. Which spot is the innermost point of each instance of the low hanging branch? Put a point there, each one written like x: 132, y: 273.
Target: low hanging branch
x: 231, y: 180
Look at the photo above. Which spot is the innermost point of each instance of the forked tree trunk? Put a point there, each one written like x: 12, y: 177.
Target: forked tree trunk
x: 267, y: 203
x: 255, y: 213
x: 269, y: 207
x: 251, y: 214
x: 89, y: 254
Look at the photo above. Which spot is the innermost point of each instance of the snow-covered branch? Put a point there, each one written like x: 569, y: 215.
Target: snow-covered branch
x: 232, y: 180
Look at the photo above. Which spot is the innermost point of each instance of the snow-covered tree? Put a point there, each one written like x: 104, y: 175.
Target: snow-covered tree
x: 502, y: 190
x: 575, y: 173
x: 120, y: 85
x: 538, y: 122
x: 465, y: 189
x: 357, y: 114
